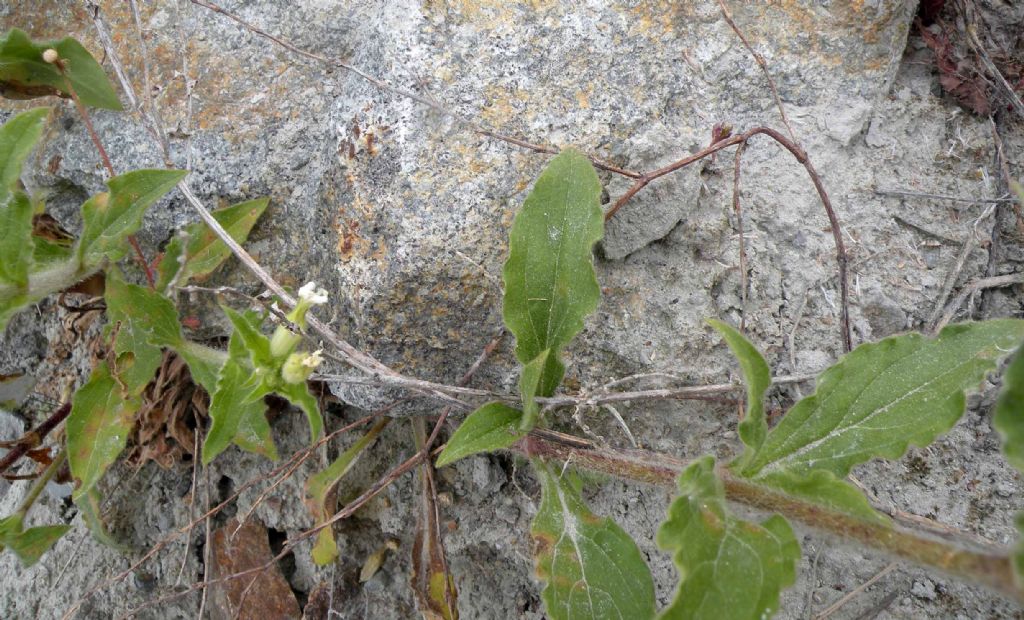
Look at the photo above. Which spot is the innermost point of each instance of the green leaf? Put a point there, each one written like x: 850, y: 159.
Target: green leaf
x: 1009, y: 421
x: 89, y: 507
x: 822, y: 487
x: 29, y: 545
x: 320, y: 487
x: 145, y: 321
x: 247, y: 328
x: 204, y: 363
x: 237, y: 408
x: 1009, y: 415
x: 102, y: 416
x: 15, y: 239
x: 45, y: 251
x: 590, y: 566
x: 298, y: 394
x: 529, y: 384
x: 883, y: 397
x: 491, y: 427
x: 753, y: 428
x: 108, y: 218
x: 25, y: 75
x: 550, y: 285
x: 18, y: 137
x: 197, y: 251
x: 728, y: 568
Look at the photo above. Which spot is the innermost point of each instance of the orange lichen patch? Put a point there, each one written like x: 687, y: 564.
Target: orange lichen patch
x: 483, y: 13
x: 502, y: 104
x: 582, y: 99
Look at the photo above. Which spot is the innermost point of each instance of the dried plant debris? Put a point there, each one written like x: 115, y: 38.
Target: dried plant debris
x: 165, y: 426
x: 979, y: 53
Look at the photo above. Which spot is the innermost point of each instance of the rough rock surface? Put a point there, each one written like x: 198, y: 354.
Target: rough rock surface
x: 403, y: 215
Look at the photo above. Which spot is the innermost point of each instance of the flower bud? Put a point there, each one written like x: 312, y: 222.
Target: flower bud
x: 283, y: 342
x: 299, y: 366
x: 51, y: 56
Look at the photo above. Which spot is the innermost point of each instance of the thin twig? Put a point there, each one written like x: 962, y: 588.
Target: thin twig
x: 973, y: 237
x: 849, y: 596
x: 738, y: 210
x: 762, y: 63
x: 1004, y: 171
x: 973, y: 287
x: 899, y: 193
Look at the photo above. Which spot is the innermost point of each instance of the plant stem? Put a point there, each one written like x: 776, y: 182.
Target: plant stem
x: 992, y: 570
x: 40, y: 483
x: 35, y: 437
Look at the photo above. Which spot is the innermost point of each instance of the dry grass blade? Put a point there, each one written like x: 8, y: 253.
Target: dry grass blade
x: 431, y: 579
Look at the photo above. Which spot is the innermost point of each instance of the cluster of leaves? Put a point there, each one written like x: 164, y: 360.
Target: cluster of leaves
x: 142, y: 322
x: 876, y: 402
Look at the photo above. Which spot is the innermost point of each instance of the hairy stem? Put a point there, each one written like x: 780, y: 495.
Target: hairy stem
x: 40, y: 483
x: 990, y: 569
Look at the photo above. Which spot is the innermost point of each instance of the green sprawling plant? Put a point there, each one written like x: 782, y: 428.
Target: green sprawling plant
x: 875, y: 402
x: 142, y: 322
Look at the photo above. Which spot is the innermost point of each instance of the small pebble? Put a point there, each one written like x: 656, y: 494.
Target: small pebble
x: 924, y: 589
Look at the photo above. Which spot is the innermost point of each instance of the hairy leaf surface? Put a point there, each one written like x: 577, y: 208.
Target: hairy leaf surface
x: 883, y: 397
x: 550, y: 285
x: 144, y: 321
x: 491, y: 427
x: 590, y: 566
x: 108, y: 218
x: 197, y: 251
x: 18, y: 137
x: 25, y: 75
x: 728, y: 568
x: 237, y: 408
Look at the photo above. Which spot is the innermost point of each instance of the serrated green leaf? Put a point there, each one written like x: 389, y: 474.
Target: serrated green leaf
x: 550, y: 285
x: 883, y: 397
x: 529, y: 383
x: 298, y: 394
x: 728, y: 568
x: 197, y: 251
x: 108, y: 218
x: 320, y: 487
x: 753, y: 427
x: 29, y: 545
x: 590, y: 566
x: 237, y: 408
x: 491, y: 427
x: 89, y: 507
x: 102, y: 416
x: 1009, y: 415
x: 25, y: 75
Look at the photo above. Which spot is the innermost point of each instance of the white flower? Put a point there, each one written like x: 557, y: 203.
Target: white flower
x: 311, y: 294
x: 313, y: 360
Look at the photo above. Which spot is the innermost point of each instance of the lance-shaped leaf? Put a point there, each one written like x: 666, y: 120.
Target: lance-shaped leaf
x: 728, y: 568
x: 320, y: 498
x: 197, y: 251
x: 1009, y: 421
x: 108, y: 218
x: 550, y: 285
x: 883, y: 397
x: 1009, y: 415
x: 18, y: 137
x: 753, y: 428
x: 25, y: 75
x: 247, y: 329
x: 203, y: 363
x: 530, y: 380
x: 590, y: 566
x: 237, y: 408
x: 102, y: 416
x: 491, y: 427
x: 299, y: 395
x: 29, y: 545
